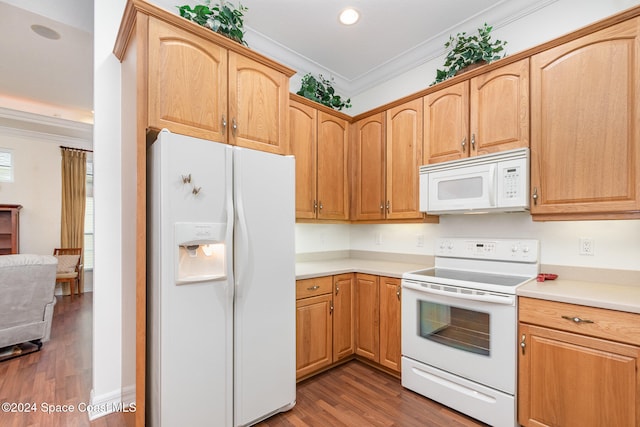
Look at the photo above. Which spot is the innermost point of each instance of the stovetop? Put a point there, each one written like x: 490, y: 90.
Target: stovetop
x: 498, y: 265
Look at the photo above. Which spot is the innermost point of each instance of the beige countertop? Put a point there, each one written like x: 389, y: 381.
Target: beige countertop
x: 603, y: 288
x: 594, y: 294
x: 393, y: 265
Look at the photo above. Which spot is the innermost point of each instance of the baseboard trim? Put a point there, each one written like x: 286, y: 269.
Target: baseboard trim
x: 115, y: 401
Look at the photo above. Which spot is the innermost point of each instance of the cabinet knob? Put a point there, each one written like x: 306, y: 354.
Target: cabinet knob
x: 473, y: 141
x: 315, y: 206
x: 224, y: 124
x: 234, y: 126
x: 534, y: 196
x: 337, y: 288
x: 398, y: 292
x: 313, y: 288
x: 464, y: 143
x: 388, y: 206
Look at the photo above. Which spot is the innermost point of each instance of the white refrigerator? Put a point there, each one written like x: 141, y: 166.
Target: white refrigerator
x: 221, y: 283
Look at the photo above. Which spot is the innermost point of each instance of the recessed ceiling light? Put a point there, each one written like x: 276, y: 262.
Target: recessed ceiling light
x: 45, y: 32
x: 349, y: 16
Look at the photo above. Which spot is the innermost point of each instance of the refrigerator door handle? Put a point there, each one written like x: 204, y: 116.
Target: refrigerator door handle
x: 230, y: 223
x: 243, y: 255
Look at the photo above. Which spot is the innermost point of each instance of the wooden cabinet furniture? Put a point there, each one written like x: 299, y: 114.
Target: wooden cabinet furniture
x: 585, y: 127
x: 369, y: 191
x: 201, y: 84
x: 319, y: 141
x: 10, y: 229
x: 485, y: 114
x: 343, y: 316
x: 377, y: 326
x: 314, y: 325
x: 390, y: 323
x: 578, y: 366
x: 367, y: 322
x: 202, y: 89
x: 324, y: 322
x: 387, y: 157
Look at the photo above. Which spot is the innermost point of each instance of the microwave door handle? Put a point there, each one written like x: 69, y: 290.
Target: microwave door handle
x: 494, y: 299
x: 493, y: 183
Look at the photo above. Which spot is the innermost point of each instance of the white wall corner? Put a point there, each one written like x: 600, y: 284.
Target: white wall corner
x: 109, y: 403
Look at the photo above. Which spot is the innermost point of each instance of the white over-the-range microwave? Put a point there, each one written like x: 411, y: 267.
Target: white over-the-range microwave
x: 497, y: 182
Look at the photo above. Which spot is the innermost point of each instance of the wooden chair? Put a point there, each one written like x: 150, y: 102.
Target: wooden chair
x: 69, y: 267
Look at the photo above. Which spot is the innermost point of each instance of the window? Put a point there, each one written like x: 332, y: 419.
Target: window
x: 6, y: 165
x: 88, y: 219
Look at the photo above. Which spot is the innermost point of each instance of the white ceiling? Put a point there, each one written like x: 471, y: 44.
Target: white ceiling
x: 390, y: 37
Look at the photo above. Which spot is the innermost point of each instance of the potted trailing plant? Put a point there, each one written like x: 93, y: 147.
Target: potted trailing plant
x: 222, y: 18
x: 321, y: 90
x: 468, y: 50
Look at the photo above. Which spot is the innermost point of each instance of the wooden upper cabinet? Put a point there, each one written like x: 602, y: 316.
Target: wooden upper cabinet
x: 446, y: 124
x: 585, y: 126
x: 483, y: 115
x: 303, y: 145
x: 499, y: 109
x: 187, y: 82
x: 403, y: 160
x: 202, y: 89
x: 258, y: 105
x: 370, y: 168
x: 333, y: 178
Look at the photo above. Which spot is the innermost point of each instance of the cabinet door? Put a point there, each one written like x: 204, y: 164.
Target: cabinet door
x: 343, y: 342
x: 367, y: 322
x: 585, y: 124
x: 404, y: 156
x: 333, y: 183
x: 572, y: 380
x: 303, y: 145
x: 499, y: 109
x: 187, y: 90
x: 446, y: 124
x: 314, y: 334
x: 258, y: 105
x: 390, y: 352
x: 370, y: 168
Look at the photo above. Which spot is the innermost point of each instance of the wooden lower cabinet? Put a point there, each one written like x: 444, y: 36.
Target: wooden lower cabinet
x: 569, y: 374
x: 390, y: 327
x: 342, y: 316
x: 343, y: 311
x: 367, y: 316
x: 324, y: 322
x: 378, y: 319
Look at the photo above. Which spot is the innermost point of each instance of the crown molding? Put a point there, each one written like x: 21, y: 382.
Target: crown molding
x: 501, y: 15
x: 52, y: 129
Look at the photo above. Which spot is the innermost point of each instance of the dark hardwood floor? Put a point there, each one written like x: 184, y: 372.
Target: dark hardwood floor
x: 351, y: 395
x: 357, y: 395
x: 59, y: 374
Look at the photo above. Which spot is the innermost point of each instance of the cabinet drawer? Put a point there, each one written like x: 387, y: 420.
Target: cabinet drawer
x: 597, y: 322
x: 312, y: 287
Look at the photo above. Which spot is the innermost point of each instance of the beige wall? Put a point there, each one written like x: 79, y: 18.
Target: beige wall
x: 36, y: 186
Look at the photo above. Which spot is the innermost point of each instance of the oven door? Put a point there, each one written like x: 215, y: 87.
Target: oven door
x: 467, y: 333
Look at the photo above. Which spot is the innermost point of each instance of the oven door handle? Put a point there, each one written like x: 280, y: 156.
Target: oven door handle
x: 491, y: 298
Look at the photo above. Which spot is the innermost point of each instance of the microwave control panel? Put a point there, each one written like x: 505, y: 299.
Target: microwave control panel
x: 513, y: 183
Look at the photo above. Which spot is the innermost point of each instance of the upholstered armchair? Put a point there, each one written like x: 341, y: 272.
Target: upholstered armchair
x: 27, y: 284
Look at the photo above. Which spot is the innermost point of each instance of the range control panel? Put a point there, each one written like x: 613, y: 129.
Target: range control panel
x: 521, y: 250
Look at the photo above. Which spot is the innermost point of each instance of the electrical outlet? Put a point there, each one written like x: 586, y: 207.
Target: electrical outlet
x: 378, y: 238
x: 587, y: 246
x: 419, y: 240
